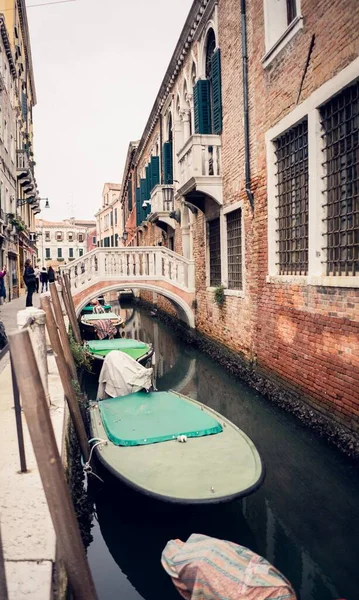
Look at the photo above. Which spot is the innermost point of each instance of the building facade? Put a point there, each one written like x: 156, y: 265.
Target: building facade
x: 63, y: 241
x: 109, y: 219
x: 249, y: 164
x: 18, y: 189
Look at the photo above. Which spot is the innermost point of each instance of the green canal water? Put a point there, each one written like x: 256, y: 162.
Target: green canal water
x: 304, y: 519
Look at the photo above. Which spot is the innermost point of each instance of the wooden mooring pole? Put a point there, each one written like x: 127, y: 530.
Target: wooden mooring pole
x: 70, y: 308
x: 65, y: 376
x: 50, y: 467
x: 62, y: 330
x: 3, y: 586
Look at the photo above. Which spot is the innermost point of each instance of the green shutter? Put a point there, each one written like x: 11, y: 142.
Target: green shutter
x: 167, y: 162
x: 202, y: 107
x: 217, y: 92
x: 148, y: 181
x: 138, y: 206
x: 155, y: 171
x: 129, y: 194
x: 143, y: 189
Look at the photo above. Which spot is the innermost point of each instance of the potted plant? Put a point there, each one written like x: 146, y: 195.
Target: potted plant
x: 219, y: 296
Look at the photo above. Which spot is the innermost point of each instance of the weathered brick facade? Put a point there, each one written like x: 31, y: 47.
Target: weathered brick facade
x: 303, y: 336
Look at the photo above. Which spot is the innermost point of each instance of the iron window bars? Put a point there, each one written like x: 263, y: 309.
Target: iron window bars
x: 214, y: 238
x: 234, y: 249
x: 340, y: 123
x: 292, y: 200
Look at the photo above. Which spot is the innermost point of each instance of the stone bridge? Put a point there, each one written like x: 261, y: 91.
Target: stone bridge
x: 148, y: 268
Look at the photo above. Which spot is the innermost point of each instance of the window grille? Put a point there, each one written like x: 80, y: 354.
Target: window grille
x: 214, y: 236
x: 340, y: 123
x: 292, y: 200
x: 234, y: 249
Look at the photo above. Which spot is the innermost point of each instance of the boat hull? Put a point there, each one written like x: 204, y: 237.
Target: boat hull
x: 204, y: 470
x: 97, y: 361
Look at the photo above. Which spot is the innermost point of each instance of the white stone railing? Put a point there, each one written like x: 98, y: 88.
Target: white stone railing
x: 131, y: 264
x: 200, y: 157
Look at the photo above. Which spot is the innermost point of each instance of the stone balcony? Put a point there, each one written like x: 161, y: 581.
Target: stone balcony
x: 200, y: 167
x: 162, y: 204
x: 25, y: 173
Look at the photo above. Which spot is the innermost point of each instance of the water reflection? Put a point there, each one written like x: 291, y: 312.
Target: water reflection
x: 304, y: 518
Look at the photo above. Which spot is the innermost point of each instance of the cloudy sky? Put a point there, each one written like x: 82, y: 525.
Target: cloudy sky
x: 98, y: 67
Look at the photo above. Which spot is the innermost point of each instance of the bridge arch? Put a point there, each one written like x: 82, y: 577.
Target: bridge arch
x: 184, y: 309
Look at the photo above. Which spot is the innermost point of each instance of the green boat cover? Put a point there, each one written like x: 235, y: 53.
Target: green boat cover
x: 100, y: 317
x: 89, y: 309
x: 147, y: 418
x: 133, y: 348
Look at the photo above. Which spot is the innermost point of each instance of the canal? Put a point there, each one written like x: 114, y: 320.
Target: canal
x: 304, y: 519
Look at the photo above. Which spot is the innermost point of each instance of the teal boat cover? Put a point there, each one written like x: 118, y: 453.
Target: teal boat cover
x: 100, y: 317
x: 148, y: 418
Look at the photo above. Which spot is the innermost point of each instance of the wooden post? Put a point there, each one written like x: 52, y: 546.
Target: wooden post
x: 3, y: 586
x: 50, y: 466
x: 65, y: 377
x: 62, y: 330
x: 70, y: 309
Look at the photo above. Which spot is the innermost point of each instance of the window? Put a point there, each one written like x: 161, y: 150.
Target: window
x: 81, y: 237
x: 47, y: 253
x: 70, y: 236
x: 59, y: 253
x: 47, y: 236
x: 279, y: 16
x: 94, y: 240
x: 111, y: 218
x: 59, y: 236
x: 340, y: 123
x: 115, y: 216
x: 207, y: 93
x: 292, y: 200
x: 71, y: 252
x: 81, y: 251
x: 214, y: 241
x: 6, y: 135
x: 234, y: 249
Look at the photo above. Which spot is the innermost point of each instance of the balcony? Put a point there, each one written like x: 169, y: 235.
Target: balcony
x: 162, y: 203
x: 200, y: 168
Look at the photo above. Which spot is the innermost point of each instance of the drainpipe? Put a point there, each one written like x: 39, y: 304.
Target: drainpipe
x: 245, y: 105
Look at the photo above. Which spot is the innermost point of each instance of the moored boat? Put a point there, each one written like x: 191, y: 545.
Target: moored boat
x: 89, y: 309
x: 101, y: 325
x: 125, y: 295
x: 99, y: 349
x: 166, y: 445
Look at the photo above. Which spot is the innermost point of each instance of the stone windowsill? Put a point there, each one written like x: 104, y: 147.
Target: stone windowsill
x: 315, y: 280
x: 289, y: 33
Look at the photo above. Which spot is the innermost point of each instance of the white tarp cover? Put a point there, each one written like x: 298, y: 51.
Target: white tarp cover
x: 122, y: 375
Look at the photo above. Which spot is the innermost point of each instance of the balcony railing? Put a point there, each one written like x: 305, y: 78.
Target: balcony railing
x: 162, y: 200
x: 200, y: 164
x: 22, y: 160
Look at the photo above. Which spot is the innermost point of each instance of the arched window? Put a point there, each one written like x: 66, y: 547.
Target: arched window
x: 193, y: 75
x: 207, y: 92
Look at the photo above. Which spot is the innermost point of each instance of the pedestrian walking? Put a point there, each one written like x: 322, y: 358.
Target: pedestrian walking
x: 2, y: 286
x: 37, y: 275
x: 29, y: 280
x: 44, y: 278
x: 51, y: 274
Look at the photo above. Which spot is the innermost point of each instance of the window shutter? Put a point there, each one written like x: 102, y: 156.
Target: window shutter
x: 129, y: 194
x: 148, y: 181
x: 138, y: 206
x: 217, y: 92
x: 155, y: 171
x: 143, y: 193
x: 24, y: 105
x: 202, y: 107
x: 167, y: 162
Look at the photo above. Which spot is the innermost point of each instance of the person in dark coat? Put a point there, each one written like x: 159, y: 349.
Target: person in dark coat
x: 44, y: 278
x: 29, y: 280
x: 51, y: 274
x: 2, y: 286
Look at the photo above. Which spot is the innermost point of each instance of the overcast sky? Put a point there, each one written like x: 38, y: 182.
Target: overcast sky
x: 98, y: 67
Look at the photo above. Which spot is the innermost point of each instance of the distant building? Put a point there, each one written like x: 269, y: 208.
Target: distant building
x: 61, y: 242
x: 109, y: 219
x: 91, y: 239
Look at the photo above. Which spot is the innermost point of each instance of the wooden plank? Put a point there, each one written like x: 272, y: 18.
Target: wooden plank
x: 62, y: 330
x: 70, y: 308
x: 50, y: 466
x: 65, y: 376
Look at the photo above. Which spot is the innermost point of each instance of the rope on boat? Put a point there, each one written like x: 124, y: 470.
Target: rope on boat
x: 87, y: 468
